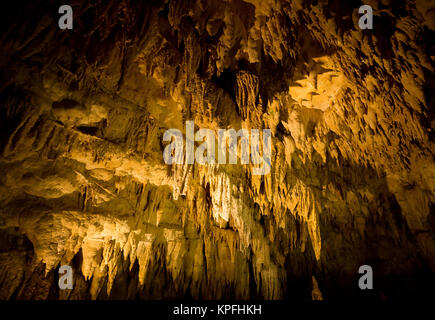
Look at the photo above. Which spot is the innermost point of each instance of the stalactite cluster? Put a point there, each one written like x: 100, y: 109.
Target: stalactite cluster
x: 83, y: 182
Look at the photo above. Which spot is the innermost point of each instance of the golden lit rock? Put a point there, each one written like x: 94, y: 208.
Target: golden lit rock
x: 83, y: 181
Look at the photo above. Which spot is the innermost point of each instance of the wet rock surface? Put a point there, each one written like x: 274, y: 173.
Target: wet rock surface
x: 83, y: 182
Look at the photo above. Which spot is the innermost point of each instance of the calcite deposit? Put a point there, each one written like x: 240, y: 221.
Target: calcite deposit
x: 82, y: 177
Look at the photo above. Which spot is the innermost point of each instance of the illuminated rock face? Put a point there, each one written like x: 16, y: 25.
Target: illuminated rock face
x: 83, y: 182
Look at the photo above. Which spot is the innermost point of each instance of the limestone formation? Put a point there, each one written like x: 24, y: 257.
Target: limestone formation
x: 83, y: 181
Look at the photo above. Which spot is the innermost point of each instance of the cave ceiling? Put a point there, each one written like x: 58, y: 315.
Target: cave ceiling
x: 83, y: 181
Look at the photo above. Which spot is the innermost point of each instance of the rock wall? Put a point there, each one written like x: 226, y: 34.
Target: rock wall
x: 82, y: 177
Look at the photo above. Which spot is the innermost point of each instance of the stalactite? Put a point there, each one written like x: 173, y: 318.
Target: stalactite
x: 82, y: 176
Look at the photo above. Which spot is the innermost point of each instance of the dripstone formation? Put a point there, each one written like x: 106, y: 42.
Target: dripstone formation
x: 82, y: 177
